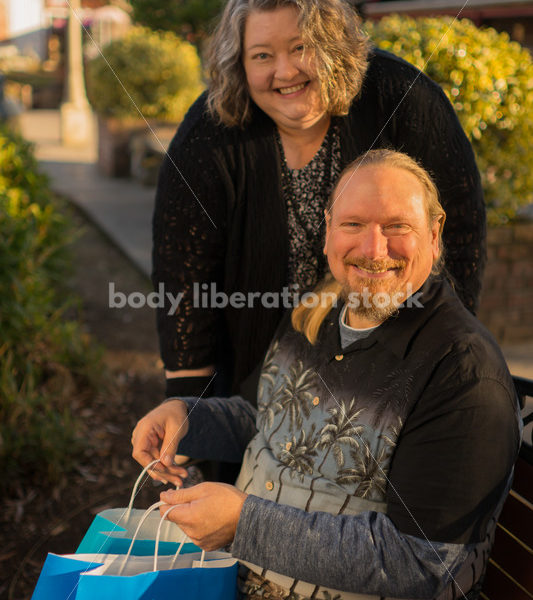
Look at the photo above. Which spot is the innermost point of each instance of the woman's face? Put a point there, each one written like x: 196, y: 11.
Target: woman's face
x: 281, y: 76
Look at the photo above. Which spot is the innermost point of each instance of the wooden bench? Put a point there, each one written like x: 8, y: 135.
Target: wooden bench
x: 510, y: 570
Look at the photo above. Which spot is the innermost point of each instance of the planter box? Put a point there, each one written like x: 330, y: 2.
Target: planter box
x: 114, y: 138
x: 148, y: 150
x: 132, y: 147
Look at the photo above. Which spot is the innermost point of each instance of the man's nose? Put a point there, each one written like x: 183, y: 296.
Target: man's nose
x: 374, y: 244
x: 286, y: 67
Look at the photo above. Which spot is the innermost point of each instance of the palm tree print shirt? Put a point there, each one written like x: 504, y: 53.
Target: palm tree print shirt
x: 366, y: 466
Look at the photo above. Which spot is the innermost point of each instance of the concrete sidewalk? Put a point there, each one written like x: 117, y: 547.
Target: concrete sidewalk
x: 122, y: 208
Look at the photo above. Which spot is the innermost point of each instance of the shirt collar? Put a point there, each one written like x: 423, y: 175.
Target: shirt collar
x: 397, y: 331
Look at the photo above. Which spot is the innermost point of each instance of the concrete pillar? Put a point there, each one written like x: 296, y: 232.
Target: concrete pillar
x: 77, y: 124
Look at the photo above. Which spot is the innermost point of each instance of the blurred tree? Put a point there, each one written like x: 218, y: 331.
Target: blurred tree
x: 489, y: 81
x: 160, y: 71
x: 189, y: 18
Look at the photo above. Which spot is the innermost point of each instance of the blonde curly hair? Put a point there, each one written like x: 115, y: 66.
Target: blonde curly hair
x: 331, y: 28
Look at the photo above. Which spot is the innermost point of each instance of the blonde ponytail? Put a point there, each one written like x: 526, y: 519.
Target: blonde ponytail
x: 308, y: 319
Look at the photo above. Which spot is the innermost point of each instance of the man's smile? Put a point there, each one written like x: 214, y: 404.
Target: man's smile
x: 376, y: 269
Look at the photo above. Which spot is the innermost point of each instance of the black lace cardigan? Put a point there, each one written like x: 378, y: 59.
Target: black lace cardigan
x: 220, y: 219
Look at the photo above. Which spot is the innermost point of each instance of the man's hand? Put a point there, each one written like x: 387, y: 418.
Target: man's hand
x: 157, y: 435
x: 208, y: 512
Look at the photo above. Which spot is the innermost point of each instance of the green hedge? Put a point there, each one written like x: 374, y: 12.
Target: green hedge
x: 46, y: 362
x: 156, y: 74
x: 489, y: 80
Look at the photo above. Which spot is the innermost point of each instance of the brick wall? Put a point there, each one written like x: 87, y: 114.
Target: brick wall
x: 506, y: 306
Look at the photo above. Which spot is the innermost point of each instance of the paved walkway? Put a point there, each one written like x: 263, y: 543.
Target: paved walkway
x: 122, y: 208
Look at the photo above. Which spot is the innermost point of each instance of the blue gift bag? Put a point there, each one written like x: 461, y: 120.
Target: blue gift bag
x: 216, y: 579
x: 193, y: 576
x: 112, y: 530
x: 59, y: 577
x: 96, y: 576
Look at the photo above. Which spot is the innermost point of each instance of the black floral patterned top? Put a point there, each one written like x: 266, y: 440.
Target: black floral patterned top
x: 306, y: 192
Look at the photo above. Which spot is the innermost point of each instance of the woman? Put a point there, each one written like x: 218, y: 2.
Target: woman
x: 295, y: 95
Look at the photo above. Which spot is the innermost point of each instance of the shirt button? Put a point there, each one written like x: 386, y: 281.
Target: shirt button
x: 316, y: 401
x: 339, y: 356
x: 269, y: 485
x: 288, y: 446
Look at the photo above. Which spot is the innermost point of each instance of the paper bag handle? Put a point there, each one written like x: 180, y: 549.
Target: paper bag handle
x: 158, y: 534
x: 136, y: 485
x: 142, y: 520
x: 157, y: 538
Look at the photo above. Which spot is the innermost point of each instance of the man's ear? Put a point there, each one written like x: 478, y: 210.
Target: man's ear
x: 435, y: 238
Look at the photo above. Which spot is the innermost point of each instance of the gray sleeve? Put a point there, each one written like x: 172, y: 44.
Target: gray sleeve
x: 219, y: 428
x: 364, y: 553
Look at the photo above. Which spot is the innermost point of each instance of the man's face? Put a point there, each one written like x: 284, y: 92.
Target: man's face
x: 378, y: 240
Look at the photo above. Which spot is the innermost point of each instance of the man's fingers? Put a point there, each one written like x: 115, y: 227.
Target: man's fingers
x: 183, y: 514
x: 170, y: 444
x: 208, y: 512
x: 172, y: 474
x: 144, y: 457
x: 157, y: 436
x: 145, y: 439
x: 183, y: 496
x: 144, y: 449
x: 175, y: 513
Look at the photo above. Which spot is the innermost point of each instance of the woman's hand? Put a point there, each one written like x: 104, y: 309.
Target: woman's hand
x: 157, y: 435
x: 208, y: 512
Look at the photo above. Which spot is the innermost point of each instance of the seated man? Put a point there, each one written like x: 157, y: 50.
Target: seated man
x: 387, y: 423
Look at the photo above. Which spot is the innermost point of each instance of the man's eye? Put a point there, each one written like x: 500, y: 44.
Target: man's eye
x: 397, y: 228
x: 352, y: 224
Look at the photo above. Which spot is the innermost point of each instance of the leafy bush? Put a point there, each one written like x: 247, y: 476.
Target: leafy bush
x: 192, y: 18
x: 157, y: 74
x: 46, y: 362
x: 489, y: 81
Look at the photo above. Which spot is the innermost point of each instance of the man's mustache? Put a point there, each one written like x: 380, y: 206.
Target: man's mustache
x: 376, y: 265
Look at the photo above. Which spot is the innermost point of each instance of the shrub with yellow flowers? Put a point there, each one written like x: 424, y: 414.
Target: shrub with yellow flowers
x: 489, y: 80
x: 155, y: 75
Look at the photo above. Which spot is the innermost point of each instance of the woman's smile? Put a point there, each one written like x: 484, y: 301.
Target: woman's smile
x: 293, y: 90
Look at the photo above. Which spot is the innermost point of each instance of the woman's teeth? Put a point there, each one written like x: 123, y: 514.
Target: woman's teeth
x: 291, y: 90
